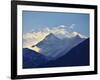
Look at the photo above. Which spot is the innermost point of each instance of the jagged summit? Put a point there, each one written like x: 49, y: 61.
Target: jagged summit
x: 52, y: 46
x: 51, y: 36
x: 77, y: 34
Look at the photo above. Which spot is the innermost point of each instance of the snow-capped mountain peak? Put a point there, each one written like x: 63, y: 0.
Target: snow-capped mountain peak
x: 52, y: 46
x: 51, y: 36
x: 78, y: 34
x: 68, y: 34
x: 49, y: 40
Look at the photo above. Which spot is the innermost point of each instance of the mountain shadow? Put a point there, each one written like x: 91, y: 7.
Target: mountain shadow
x: 77, y: 56
x: 32, y: 59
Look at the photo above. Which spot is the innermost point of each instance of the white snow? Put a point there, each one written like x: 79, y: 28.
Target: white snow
x: 53, y: 47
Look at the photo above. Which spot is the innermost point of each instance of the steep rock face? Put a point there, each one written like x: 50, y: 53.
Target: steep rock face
x: 51, y: 46
x: 78, y: 56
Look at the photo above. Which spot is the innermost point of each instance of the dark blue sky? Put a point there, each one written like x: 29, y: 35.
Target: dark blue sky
x: 35, y: 20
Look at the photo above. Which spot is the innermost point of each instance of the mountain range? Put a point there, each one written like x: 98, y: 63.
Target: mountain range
x: 77, y: 56
x: 52, y: 46
x: 56, y: 51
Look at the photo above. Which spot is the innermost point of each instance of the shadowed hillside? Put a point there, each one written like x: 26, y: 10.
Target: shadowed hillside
x: 78, y: 56
x: 32, y: 59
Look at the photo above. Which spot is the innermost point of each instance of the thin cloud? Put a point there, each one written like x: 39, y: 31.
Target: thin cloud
x: 72, y: 26
x: 62, y: 26
x: 32, y: 38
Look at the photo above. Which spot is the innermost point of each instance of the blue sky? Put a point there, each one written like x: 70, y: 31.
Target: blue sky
x: 35, y: 20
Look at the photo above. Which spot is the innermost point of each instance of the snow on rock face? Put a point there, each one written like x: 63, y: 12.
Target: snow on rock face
x: 61, y: 31
x: 80, y: 35
x: 54, y: 47
x: 50, y: 45
x: 52, y: 42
